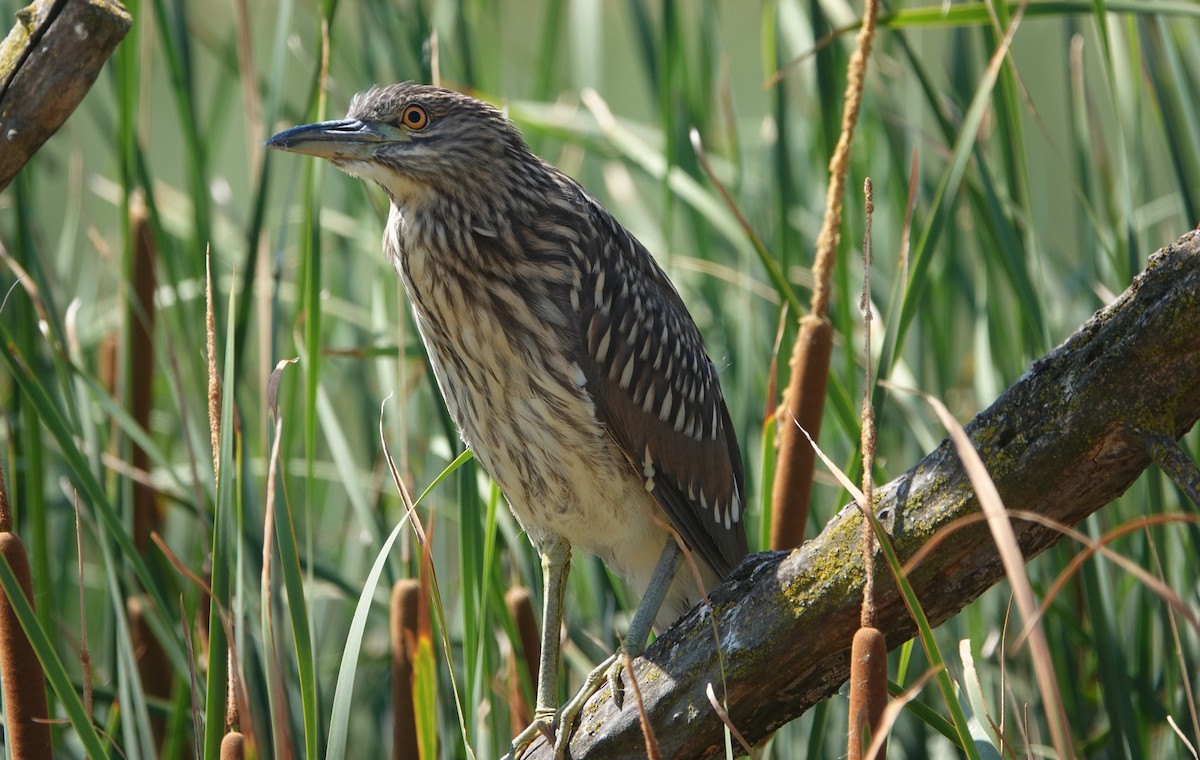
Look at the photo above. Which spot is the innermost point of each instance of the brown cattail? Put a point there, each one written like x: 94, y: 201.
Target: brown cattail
x: 868, y: 690
x: 803, y: 405
x: 406, y: 594
x: 24, y: 682
x: 520, y: 606
x: 804, y: 400
x: 141, y: 369
x: 233, y: 746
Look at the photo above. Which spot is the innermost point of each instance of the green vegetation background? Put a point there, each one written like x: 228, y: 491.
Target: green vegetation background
x: 1030, y: 213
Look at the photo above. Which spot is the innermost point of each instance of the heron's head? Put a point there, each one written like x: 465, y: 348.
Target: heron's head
x: 421, y: 143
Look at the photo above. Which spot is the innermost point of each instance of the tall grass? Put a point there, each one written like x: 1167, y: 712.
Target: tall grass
x: 1038, y: 193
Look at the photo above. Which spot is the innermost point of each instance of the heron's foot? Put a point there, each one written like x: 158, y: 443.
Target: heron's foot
x: 608, y: 671
x: 544, y: 723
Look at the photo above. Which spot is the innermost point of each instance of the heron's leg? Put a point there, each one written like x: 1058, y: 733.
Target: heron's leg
x: 652, y: 600
x: 556, y: 564
x: 634, y: 643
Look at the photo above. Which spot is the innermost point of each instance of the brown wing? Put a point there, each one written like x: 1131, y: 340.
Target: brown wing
x: 657, y: 390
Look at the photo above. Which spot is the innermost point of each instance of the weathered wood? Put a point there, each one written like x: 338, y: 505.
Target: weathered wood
x: 1065, y: 440
x: 48, y: 62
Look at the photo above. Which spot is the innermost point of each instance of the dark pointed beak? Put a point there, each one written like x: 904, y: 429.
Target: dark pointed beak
x: 346, y: 139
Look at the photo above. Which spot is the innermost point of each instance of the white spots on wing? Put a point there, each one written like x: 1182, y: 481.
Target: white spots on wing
x: 681, y: 417
x: 577, y: 375
x: 627, y: 373
x: 665, y: 411
x: 601, y: 302
x: 648, y: 402
x: 648, y: 464
x: 485, y: 232
x: 714, y: 421
x: 602, y: 349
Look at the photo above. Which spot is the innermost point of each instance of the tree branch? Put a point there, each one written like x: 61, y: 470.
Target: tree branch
x: 1069, y: 437
x: 48, y: 62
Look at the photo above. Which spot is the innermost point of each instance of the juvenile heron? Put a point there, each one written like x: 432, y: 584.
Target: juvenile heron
x: 568, y: 361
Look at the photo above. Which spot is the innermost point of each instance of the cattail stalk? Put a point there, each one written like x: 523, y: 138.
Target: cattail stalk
x: 804, y: 399
x: 233, y: 746
x: 868, y: 653
x: 520, y: 606
x: 26, y: 715
x: 405, y: 606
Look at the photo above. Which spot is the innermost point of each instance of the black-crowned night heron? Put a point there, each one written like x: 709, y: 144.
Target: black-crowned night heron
x: 570, y: 364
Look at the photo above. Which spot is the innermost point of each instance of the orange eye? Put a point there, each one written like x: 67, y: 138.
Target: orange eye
x: 414, y: 117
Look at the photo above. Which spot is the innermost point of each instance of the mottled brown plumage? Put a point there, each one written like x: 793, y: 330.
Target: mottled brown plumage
x: 565, y: 356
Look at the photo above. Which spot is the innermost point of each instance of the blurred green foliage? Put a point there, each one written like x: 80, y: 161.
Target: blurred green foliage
x: 1085, y: 158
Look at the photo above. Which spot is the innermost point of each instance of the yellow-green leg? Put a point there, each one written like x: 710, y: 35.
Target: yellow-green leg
x: 635, y: 642
x: 556, y: 564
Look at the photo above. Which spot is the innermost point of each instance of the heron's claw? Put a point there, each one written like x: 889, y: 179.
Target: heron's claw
x: 542, y: 725
x: 557, y: 728
x: 608, y: 671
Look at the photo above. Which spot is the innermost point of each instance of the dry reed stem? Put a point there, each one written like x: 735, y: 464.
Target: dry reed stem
x: 999, y: 523
x: 406, y: 595
x: 839, y: 163
x: 520, y: 607
x: 868, y: 424
x: 214, y: 381
x: 723, y: 714
x: 6, y: 525
x: 651, y: 743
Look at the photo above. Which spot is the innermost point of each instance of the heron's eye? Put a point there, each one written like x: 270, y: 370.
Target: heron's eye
x: 414, y: 117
